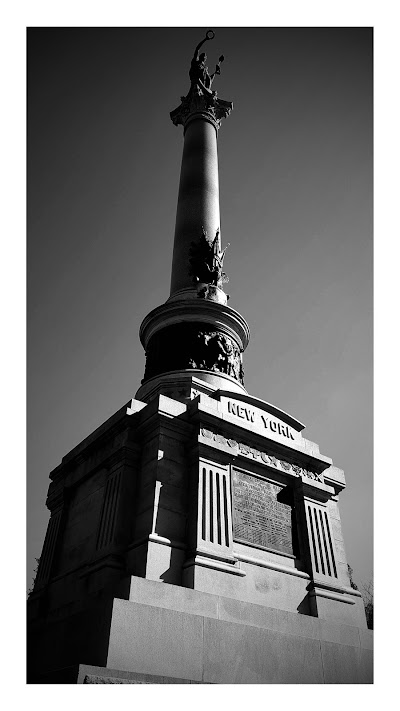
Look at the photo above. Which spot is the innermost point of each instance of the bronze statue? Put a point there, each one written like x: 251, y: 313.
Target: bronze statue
x: 218, y: 261
x: 200, y: 79
x: 206, y: 260
x: 200, y: 96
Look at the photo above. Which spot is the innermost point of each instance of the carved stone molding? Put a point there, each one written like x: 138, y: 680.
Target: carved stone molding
x: 269, y: 459
x: 195, y: 105
x: 199, y: 311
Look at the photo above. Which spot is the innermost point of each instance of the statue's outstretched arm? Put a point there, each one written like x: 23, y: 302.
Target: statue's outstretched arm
x: 209, y: 36
x: 196, y: 51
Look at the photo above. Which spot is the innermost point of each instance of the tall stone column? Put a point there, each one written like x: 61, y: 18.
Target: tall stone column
x: 198, y: 198
x: 197, y: 212
x: 195, y: 333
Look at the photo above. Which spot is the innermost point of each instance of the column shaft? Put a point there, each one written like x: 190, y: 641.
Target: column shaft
x: 198, y: 198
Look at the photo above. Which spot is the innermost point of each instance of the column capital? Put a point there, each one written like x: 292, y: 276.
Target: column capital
x: 196, y: 105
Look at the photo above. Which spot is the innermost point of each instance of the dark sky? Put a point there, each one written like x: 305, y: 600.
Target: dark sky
x: 295, y: 160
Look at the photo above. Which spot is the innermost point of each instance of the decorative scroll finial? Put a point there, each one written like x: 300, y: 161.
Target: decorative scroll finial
x: 201, y: 99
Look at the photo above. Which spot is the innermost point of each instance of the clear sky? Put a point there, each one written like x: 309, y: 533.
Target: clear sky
x: 295, y: 160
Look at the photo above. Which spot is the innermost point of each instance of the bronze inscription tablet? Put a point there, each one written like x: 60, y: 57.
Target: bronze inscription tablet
x: 259, y: 517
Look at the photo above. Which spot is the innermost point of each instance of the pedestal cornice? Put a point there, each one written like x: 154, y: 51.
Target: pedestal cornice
x: 221, y: 317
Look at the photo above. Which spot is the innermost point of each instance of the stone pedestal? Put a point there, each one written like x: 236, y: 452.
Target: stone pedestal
x: 166, y: 634
x: 189, y: 529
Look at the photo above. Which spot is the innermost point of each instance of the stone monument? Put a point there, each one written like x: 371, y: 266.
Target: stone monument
x: 195, y: 536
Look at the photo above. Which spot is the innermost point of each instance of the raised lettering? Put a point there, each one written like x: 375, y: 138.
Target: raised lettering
x: 233, y: 408
x: 249, y: 414
x: 265, y: 420
x: 258, y: 516
x: 273, y: 426
x: 244, y: 449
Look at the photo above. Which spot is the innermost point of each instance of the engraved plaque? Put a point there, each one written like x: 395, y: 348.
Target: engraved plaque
x: 261, y: 515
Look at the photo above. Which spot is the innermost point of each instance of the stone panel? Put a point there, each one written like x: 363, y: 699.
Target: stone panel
x: 268, y: 618
x: 209, y: 580
x: 173, y: 498
x: 260, y: 513
x: 65, y: 642
x: 150, y: 450
x: 74, y: 555
x: 341, y: 612
x: 366, y: 638
x: 343, y: 573
x: 157, y: 641
x: 79, y: 539
x: 241, y: 654
x: 94, y: 482
x: 366, y: 666
x: 338, y: 634
x: 333, y: 510
x: 336, y: 529
x: 172, y: 446
x: 170, y: 524
x: 173, y: 597
x: 83, y: 510
x: 164, y: 563
x: 260, y: 586
x: 340, y: 551
x: 170, y: 472
x: 341, y: 663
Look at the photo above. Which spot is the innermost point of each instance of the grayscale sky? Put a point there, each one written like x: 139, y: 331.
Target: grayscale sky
x: 295, y: 160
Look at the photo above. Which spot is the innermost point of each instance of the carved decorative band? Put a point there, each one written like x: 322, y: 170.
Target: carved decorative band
x: 269, y: 459
x: 192, y: 345
x: 197, y: 105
